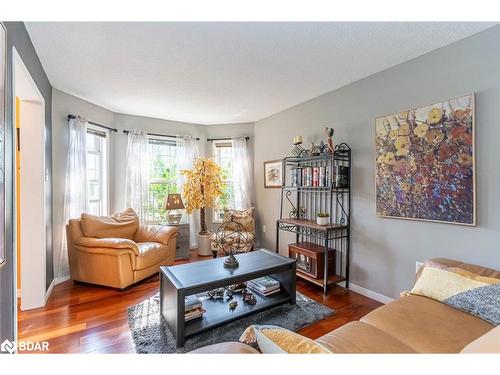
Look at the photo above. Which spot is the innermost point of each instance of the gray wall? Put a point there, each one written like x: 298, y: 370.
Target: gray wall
x: 63, y: 105
x: 19, y: 38
x: 384, y: 251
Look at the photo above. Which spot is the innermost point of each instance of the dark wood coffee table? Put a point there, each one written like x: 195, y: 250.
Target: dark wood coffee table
x: 177, y: 282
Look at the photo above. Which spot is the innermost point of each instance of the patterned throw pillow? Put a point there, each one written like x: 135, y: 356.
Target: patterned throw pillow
x: 461, y: 289
x: 276, y: 340
x: 246, y: 218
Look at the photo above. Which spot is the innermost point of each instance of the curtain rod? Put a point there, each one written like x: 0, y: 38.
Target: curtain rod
x: 94, y: 123
x: 159, y: 135
x: 223, y: 139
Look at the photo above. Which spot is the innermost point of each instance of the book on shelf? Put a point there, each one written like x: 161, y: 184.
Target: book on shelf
x: 191, y: 302
x: 193, y: 314
x: 265, y: 283
x: 263, y: 293
x: 253, y: 285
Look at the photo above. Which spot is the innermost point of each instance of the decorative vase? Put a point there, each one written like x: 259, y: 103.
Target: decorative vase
x: 205, y: 244
x: 322, y: 220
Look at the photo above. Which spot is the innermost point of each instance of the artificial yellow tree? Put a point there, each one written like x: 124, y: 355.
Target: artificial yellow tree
x: 202, y: 188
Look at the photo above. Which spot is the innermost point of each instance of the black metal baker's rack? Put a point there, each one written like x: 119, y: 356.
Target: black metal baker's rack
x: 300, y: 205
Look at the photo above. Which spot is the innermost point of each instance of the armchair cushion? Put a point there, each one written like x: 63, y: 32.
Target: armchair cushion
x: 155, y: 233
x: 151, y: 253
x: 121, y: 225
x: 109, y: 243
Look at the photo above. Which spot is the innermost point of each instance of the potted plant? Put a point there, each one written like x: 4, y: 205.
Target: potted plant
x: 323, y: 218
x: 202, y: 188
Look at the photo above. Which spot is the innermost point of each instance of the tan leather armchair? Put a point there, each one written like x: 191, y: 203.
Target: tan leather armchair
x: 116, y: 251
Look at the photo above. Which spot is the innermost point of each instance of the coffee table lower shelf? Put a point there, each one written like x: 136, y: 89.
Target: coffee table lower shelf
x: 217, y: 312
x: 332, y: 279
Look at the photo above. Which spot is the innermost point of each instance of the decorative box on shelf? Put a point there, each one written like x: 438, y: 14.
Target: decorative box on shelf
x: 310, y: 258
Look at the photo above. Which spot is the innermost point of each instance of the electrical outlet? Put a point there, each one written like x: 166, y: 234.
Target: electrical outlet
x: 418, y: 265
x: 263, y: 229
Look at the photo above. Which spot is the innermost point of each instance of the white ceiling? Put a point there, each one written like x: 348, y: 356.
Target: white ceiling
x: 214, y: 73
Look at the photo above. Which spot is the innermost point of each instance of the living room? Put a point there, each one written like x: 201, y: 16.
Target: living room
x: 250, y: 187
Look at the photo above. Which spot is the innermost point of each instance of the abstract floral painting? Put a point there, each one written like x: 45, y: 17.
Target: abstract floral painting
x: 425, y: 163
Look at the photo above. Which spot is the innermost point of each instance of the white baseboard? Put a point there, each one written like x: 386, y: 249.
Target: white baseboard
x: 370, y: 293
x: 49, y: 290
x: 54, y: 282
x: 60, y: 280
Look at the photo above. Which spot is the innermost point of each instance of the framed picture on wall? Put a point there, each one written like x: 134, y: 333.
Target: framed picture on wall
x: 3, y: 70
x: 425, y: 163
x: 273, y: 174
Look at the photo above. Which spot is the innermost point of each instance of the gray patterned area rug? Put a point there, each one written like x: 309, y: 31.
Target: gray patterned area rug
x: 152, y: 336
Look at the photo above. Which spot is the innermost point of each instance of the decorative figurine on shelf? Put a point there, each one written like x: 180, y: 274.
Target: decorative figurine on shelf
x: 216, y: 293
x: 297, y: 150
x: 232, y: 305
x: 329, y: 134
x: 249, y: 298
x: 238, y: 287
x: 315, y: 150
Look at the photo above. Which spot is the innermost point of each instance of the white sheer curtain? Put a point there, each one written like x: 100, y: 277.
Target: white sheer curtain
x: 137, y: 174
x: 187, y: 152
x: 75, y: 192
x: 242, y: 174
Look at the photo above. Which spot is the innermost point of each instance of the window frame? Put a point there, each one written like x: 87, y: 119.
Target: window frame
x: 170, y: 143
x: 105, y: 172
x: 215, y: 144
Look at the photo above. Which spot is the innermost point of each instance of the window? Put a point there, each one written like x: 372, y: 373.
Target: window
x: 223, y: 156
x: 163, y: 176
x: 97, y: 170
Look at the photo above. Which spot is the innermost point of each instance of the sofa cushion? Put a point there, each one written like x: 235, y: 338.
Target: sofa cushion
x: 150, y: 253
x: 358, y: 337
x: 272, y: 339
x: 461, y: 289
x: 478, y: 270
x: 426, y: 325
x: 121, y: 225
x: 487, y: 343
x: 226, y: 348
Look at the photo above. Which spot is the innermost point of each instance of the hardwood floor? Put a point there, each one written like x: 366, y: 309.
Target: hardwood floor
x: 81, y: 318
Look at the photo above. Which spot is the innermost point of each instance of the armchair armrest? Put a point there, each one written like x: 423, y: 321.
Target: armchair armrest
x: 109, y: 243
x: 156, y: 233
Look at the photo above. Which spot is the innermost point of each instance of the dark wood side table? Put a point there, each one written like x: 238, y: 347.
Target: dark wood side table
x: 177, y: 282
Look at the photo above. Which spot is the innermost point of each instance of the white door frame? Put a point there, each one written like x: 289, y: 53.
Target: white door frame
x: 33, y: 257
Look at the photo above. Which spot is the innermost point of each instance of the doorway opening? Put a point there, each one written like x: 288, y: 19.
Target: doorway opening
x: 30, y: 180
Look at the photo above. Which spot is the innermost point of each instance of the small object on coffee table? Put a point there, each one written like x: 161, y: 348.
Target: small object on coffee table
x: 249, y: 298
x: 238, y: 287
x: 232, y: 305
x: 216, y: 293
x: 229, y: 294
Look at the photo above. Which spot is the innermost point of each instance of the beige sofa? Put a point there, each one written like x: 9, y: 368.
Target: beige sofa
x: 117, y: 251
x: 411, y: 324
